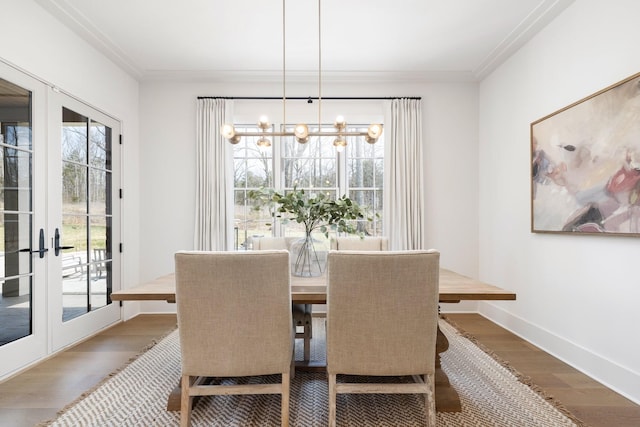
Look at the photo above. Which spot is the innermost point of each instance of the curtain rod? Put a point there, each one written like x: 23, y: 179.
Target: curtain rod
x: 311, y: 98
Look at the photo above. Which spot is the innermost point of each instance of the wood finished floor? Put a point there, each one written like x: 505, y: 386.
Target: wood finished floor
x: 587, y: 399
x: 37, y: 394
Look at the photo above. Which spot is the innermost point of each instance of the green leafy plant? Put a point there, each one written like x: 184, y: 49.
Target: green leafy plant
x: 314, y: 211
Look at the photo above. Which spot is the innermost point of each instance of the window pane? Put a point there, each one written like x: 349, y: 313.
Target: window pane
x: 74, y: 136
x: 99, y: 149
x: 15, y: 173
x: 15, y: 230
x: 240, y: 173
x: 258, y: 173
x: 74, y: 187
x: 98, y: 191
x: 365, y: 170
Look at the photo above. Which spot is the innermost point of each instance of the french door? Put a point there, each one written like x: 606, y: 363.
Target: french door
x: 59, y: 220
x: 23, y: 271
x: 83, y: 219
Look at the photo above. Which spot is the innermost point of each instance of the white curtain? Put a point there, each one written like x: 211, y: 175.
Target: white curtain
x: 404, y: 198
x: 214, y: 177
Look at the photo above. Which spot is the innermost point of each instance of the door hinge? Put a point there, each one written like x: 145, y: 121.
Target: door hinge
x: 120, y: 247
x: 120, y: 192
x: 120, y: 139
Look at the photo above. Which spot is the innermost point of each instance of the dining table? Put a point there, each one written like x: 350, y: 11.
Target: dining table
x: 453, y: 288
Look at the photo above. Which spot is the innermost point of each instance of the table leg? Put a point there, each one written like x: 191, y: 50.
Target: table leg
x: 173, y: 402
x: 447, y: 399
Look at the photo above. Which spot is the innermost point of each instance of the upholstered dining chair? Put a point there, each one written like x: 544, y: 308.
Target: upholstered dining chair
x: 302, y: 313
x: 214, y: 293
x: 367, y: 243
x: 382, y: 315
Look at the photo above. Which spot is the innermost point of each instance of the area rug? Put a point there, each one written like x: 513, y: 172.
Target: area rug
x: 491, y: 395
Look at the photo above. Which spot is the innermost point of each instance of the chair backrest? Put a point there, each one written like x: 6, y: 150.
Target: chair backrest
x: 268, y: 243
x: 382, y: 312
x: 234, y: 312
x: 353, y: 243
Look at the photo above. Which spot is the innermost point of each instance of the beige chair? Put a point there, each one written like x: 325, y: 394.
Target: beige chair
x: 214, y: 293
x: 302, y: 313
x: 353, y: 243
x: 382, y: 315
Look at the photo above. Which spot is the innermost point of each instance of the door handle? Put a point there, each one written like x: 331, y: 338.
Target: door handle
x: 56, y: 243
x: 42, y: 249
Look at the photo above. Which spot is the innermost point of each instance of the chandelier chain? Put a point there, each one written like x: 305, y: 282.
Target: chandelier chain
x: 319, y: 68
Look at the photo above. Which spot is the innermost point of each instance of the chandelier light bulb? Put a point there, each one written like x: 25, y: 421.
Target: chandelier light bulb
x: 375, y: 130
x: 301, y: 132
x: 227, y: 131
x: 339, y: 143
x: 263, y: 143
x: 373, y: 133
x: 263, y: 122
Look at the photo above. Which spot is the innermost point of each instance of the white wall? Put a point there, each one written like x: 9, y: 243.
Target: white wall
x: 167, y: 166
x: 577, y: 295
x: 33, y: 41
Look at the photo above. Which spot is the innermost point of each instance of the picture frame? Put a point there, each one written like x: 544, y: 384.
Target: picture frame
x: 585, y: 165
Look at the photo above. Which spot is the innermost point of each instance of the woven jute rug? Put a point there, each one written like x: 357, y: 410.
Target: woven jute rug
x: 491, y: 393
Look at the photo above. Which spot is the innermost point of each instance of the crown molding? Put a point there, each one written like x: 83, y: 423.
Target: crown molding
x: 546, y: 12
x: 270, y: 76
x: 82, y: 26
x: 73, y: 19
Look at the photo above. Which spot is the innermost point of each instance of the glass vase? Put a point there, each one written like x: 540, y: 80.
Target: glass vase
x: 306, y: 259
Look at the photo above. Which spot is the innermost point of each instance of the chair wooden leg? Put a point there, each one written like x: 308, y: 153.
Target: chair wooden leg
x: 185, y: 402
x: 332, y: 399
x: 430, y: 402
x: 286, y: 384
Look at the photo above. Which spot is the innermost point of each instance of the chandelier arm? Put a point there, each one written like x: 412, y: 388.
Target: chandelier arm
x: 322, y: 133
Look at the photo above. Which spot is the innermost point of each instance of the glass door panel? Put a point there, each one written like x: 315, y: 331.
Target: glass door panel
x: 75, y: 288
x: 16, y: 215
x: 22, y: 264
x: 86, y: 209
x: 83, y: 219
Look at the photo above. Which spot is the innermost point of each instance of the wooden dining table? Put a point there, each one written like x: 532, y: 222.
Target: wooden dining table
x: 454, y: 287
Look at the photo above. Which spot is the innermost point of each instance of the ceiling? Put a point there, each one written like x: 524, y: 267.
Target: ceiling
x: 242, y: 39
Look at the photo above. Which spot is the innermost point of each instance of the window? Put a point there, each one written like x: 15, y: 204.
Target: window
x: 253, y: 169
x: 315, y: 166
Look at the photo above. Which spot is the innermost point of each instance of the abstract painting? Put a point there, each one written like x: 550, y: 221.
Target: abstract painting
x: 585, y: 165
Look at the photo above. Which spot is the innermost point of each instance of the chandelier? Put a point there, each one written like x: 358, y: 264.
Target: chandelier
x: 301, y: 131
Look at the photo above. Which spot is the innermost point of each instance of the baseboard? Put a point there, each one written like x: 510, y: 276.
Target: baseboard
x: 612, y: 375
